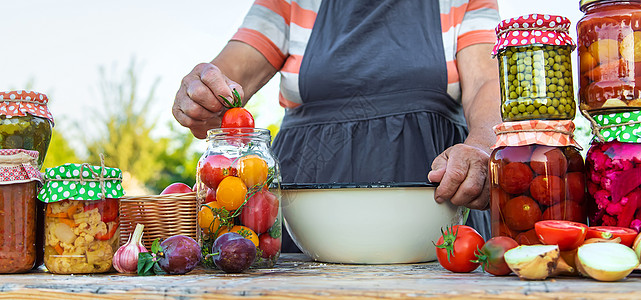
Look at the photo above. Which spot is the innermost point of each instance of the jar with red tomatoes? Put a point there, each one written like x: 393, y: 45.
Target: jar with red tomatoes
x: 19, y: 184
x: 613, y: 165
x: 536, y: 173
x: 82, y: 218
x: 238, y: 190
x: 609, y: 40
x: 535, y: 70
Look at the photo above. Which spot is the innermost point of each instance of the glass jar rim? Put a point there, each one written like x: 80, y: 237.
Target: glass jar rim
x: 583, y: 4
x: 241, y: 132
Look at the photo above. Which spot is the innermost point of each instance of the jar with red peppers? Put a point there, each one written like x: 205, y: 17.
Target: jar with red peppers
x: 535, y: 71
x: 19, y: 183
x: 609, y: 40
x: 613, y: 165
x: 82, y: 219
x: 536, y: 173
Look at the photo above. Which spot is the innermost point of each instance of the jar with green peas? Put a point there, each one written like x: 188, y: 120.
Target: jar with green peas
x: 535, y: 71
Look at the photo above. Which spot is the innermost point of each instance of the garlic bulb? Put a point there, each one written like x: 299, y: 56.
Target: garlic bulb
x: 126, y: 257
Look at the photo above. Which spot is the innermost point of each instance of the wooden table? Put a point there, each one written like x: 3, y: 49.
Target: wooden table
x: 297, y: 277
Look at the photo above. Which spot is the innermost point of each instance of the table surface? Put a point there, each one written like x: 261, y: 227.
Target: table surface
x: 297, y: 277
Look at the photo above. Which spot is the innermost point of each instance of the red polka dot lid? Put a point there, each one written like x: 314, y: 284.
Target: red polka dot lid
x: 19, y: 103
x: 533, y: 29
x: 18, y: 166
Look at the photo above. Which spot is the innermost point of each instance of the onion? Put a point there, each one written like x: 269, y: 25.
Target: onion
x: 606, y: 261
x: 535, y: 262
x: 126, y: 257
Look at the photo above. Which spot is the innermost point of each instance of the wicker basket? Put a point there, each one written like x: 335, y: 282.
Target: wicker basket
x: 162, y: 215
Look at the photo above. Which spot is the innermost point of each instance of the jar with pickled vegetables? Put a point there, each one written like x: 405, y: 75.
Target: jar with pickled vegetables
x: 82, y: 218
x: 19, y: 183
x: 613, y: 165
x: 535, y: 68
x: 238, y: 190
x: 536, y: 173
x: 609, y: 48
x: 25, y: 122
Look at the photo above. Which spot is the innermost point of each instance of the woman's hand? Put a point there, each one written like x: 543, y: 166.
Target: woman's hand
x: 197, y: 105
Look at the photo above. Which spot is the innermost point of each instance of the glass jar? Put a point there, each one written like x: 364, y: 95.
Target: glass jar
x: 613, y: 165
x: 609, y: 40
x: 19, y: 182
x: 25, y: 122
x: 82, y: 219
x: 535, y: 70
x: 530, y: 182
x: 238, y: 190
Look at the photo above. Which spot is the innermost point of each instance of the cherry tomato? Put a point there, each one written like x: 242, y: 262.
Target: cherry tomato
x: 252, y: 170
x: 575, y: 186
x: 568, y: 235
x: 627, y: 235
x: 528, y: 238
x: 208, y: 218
x: 269, y: 245
x: 491, y: 255
x: 547, y: 190
x: 547, y: 160
x: 521, y: 213
x: 214, y: 169
x: 456, y: 248
x: 109, y: 209
x: 260, y: 211
x: 575, y: 160
x: 231, y: 193
x: 242, y: 230
x: 176, y: 188
x: 566, y: 210
x: 237, y: 117
x: 211, y: 195
x: 515, y: 178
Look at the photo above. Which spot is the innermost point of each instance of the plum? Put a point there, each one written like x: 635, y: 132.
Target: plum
x: 180, y: 254
x: 233, y: 253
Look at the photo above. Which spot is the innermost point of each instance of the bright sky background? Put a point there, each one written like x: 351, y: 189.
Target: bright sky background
x: 59, y: 45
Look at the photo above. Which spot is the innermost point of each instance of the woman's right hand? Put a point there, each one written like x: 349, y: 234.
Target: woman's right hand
x: 197, y: 105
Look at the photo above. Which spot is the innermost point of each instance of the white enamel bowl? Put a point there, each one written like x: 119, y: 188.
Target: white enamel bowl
x: 366, y: 223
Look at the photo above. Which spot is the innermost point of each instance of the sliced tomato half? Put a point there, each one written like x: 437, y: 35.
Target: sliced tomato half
x: 567, y: 234
x: 627, y: 235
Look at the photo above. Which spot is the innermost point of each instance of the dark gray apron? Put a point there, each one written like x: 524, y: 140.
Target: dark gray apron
x: 375, y: 106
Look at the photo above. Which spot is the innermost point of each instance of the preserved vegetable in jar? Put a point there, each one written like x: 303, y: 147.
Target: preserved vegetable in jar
x: 238, y: 190
x: 19, y: 181
x: 609, y: 49
x: 82, y: 219
x: 613, y: 164
x: 25, y: 122
x: 536, y: 173
x: 535, y: 70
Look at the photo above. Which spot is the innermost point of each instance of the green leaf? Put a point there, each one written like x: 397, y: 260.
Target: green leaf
x: 155, y: 246
x: 145, y: 263
x: 237, y: 101
x: 276, y: 230
x: 158, y: 270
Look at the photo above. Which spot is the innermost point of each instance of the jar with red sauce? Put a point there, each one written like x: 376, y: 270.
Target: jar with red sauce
x: 613, y: 165
x: 609, y: 48
x: 536, y: 173
x: 19, y: 184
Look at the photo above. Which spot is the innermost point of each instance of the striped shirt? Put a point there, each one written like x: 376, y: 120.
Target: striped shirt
x: 280, y: 29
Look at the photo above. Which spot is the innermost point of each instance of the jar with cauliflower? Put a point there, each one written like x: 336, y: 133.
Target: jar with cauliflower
x: 82, y: 221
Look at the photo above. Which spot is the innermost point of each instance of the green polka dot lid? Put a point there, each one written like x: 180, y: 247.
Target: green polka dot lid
x: 622, y: 127
x: 81, y: 182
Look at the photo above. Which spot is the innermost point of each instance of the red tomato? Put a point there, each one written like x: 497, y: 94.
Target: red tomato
x: 528, y: 238
x: 566, y: 210
x: 211, y: 195
x: 491, y: 255
x: 515, y: 178
x: 260, y: 211
x: 109, y: 209
x: 548, y: 160
x: 176, y: 188
x: 627, y: 235
x: 575, y: 186
x: 269, y: 245
x: 547, y: 190
x: 214, y: 169
x: 456, y: 248
x: 237, y: 117
x: 521, y: 213
x: 568, y: 235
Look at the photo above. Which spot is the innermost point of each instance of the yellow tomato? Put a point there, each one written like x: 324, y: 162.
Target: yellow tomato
x: 208, y: 219
x: 242, y: 230
x: 231, y: 192
x: 252, y: 170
